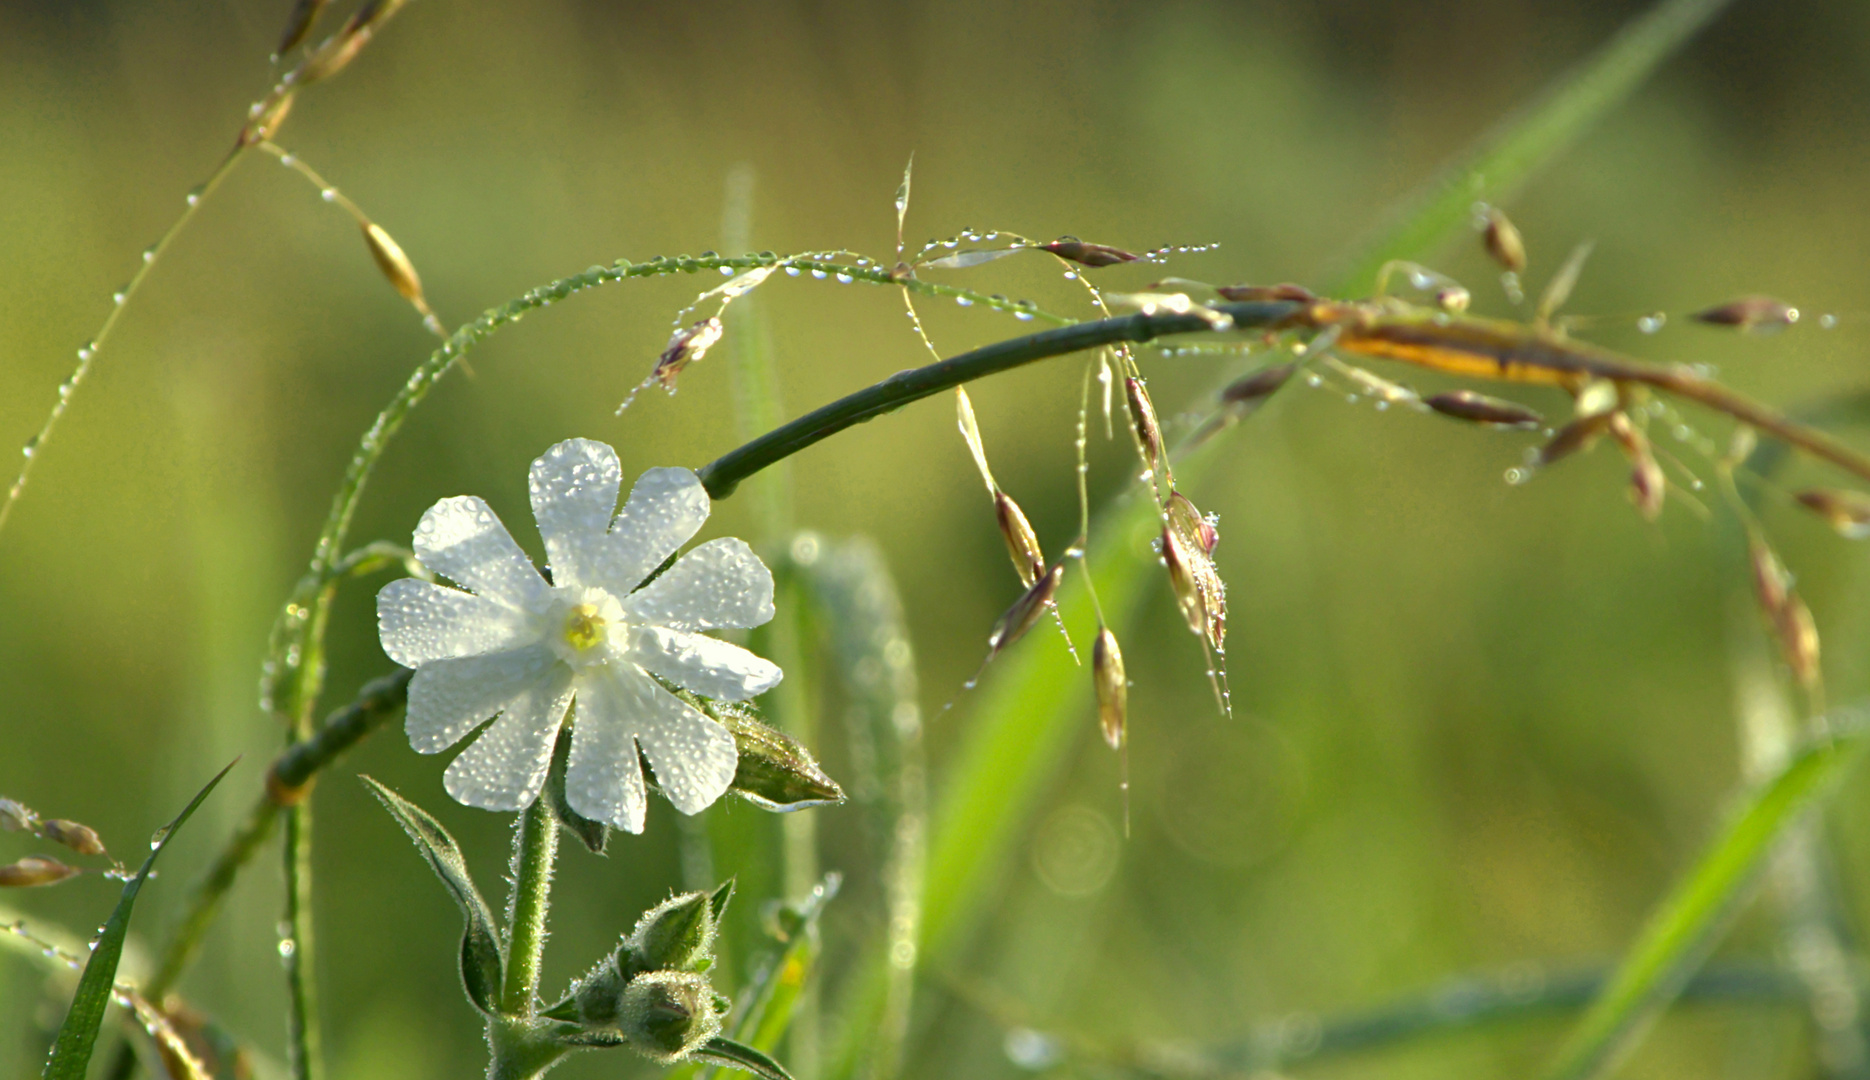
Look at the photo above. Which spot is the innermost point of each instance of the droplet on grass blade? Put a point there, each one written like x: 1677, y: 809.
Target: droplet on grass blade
x: 1846, y: 511
x: 1481, y: 409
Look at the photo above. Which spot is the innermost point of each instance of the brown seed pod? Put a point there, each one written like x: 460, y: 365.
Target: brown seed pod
x: 1091, y: 255
x: 1025, y: 611
x: 1503, y: 242
x: 1113, y: 688
x: 1022, y: 544
x: 1481, y: 409
x: 1847, y: 511
x: 1578, y: 435
x: 686, y: 346
x: 80, y: 838
x: 394, y: 264
x: 1265, y: 293
x: 35, y: 870
x: 1262, y: 384
x: 1143, y: 421
x: 1750, y: 313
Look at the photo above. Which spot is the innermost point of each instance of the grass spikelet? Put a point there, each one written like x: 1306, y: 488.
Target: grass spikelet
x: 1502, y: 241
x: 1251, y: 294
x: 1025, y: 611
x: 1113, y: 688
x: 1750, y: 314
x: 1147, y: 428
x: 82, y: 839
x: 1094, y: 256
x: 33, y: 871
x: 970, y: 433
x: 1846, y: 511
x: 299, y: 24
x: 1647, y: 483
x: 1022, y: 544
x: 1481, y: 409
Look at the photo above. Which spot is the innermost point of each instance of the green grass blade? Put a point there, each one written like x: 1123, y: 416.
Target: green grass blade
x: 1505, y: 158
x: 1688, y: 922
x: 77, y: 1036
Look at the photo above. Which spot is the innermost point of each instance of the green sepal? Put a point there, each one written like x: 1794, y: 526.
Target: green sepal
x: 594, y: 835
x: 483, y: 962
x: 723, y: 1051
x: 77, y: 1036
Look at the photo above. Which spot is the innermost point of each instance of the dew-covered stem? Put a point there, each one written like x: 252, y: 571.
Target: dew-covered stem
x: 535, y: 852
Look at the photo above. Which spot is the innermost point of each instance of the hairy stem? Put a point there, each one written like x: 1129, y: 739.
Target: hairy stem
x: 536, y: 849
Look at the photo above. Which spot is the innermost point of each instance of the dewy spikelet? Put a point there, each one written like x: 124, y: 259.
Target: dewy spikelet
x: 393, y: 262
x: 1647, y: 482
x: 1113, y: 688
x: 1750, y: 313
x: 1847, y: 511
x: 666, y: 1015
x: 1481, y: 409
x: 1025, y: 611
x: 35, y: 870
x: 1022, y: 544
x: 685, y: 347
x: 1143, y: 422
x: 82, y: 839
x: 1503, y: 242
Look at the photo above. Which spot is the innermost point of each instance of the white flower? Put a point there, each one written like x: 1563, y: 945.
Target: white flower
x: 525, y: 650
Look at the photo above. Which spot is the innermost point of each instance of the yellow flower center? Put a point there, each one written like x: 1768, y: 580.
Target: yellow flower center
x: 585, y: 627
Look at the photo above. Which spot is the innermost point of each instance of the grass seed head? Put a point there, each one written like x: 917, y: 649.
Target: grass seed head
x: 80, y: 838
x: 1262, y: 384
x: 1091, y: 255
x: 1481, y: 409
x: 1264, y: 293
x: 393, y: 262
x: 1503, y: 242
x: 35, y: 870
x: 1021, y: 542
x: 17, y: 817
x: 1143, y: 421
x: 1648, y: 484
x: 1580, y: 434
x: 1847, y: 511
x: 304, y: 14
x: 1025, y: 611
x: 1798, y: 640
x: 1113, y: 688
x: 267, y: 116
x: 1770, y: 585
x: 1752, y: 313
x: 686, y: 346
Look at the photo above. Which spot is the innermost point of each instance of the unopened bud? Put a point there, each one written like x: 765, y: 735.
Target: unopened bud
x: 1262, y: 384
x: 17, y: 816
x: 1847, y: 511
x: 1758, y: 313
x: 1503, y: 242
x: 1091, y: 255
x: 1113, y: 688
x: 1481, y: 409
x: 80, y: 838
x: 677, y: 934
x: 1264, y: 293
x: 668, y: 1014
x: 1026, y: 610
x: 1021, y: 542
x: 1143, y: 422
x: 775, y: 772
x: 686, y: 346
x: 394, y: 264
x: 34, y: 870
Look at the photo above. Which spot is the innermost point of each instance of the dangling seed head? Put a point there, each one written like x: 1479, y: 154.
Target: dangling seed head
x: 1176, y: 556
x: 17, y: 817
x: 1580, y: 434
x: 1191, y: 524
x: 1091, y: 255
x: 1755, y: 313
x: 1481, y: 409
x: 1113, y: 688
x: 34, y: 870
x: 1648, y: 484
x: 1188, y: 543
x: 80, y: 838
x: 1503, y: 242
x: 394, y: 264
x: 1025, y: 611
x: 1266, y: 293
x: 299, y: 24
x: 1143, y: 422
x: 1021, y: 542
x: 685, y: 347
x: 1847, y: 511
x: 1262, y: 384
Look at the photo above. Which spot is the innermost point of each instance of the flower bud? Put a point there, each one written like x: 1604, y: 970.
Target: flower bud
x: 1025, y: 611
x: 1113, y: 689
x: 775, y: 772
x: 1021, y: 542
x: 34, y: 870
x: 1503, y: 242
x: 80, y: 838
x: 1091, y: 255
x: 1481, y: 409
x: 677, y: 934
x: 668, y: 1014
x: 1847, y: 511
x: 1751, y: 313
x: 685, y: 347
x: 1143, y: 422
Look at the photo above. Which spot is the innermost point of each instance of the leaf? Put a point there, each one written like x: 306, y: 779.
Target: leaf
x: 483, y: 964
x: 1495, y: 167
x: 1687, y: 923
x: 720, y: 1051
x: 71, y: 1050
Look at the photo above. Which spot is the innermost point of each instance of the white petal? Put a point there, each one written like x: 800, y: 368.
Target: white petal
x: 574, y: 489
x: 701, y: 664
x: 722, y: 583
x: 449, y: 698
x: 419, y: 622
x: 694, y: 757
x: 603, y: 779
x: 666, y: 507
x: 505, y: 768
x: 462, y: 540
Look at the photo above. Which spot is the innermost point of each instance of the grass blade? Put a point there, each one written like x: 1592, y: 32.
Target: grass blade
x: 1685, y: 926
x: 1506, y: 157
x: 77, y: 1036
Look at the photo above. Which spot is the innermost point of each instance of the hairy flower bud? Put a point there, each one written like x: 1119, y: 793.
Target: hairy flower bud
x: 1113, y: 689
x: 775, y: 771
x: 34, y: 870
x: 668, y: 1014
x: 677, y: 934
x: 1021, y: 542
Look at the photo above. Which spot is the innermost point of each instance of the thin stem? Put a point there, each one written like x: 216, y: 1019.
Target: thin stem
x: 87, y: 354
x: 536, y: 849
x: 303, y: 1054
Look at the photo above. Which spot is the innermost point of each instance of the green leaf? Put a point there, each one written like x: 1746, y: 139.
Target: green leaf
x: 1687, y: 923
x: 483, y: 964
x: 71, y: 1050
x: 1505, y: 158
x: 720, y: 1051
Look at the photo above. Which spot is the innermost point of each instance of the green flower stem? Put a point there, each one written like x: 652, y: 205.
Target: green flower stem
x: 722, y: 475
x: 303, y: 1054
x: 535, y: 851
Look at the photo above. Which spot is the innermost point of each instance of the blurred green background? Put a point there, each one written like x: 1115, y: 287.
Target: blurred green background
x: 1475, y: 725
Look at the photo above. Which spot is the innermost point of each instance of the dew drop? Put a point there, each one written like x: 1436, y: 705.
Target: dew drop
x: 727, y: 271
x: 1827, y: 321
x: 964, y: 301
x: 1649, y: 324
x: 329, y: 194
x: 119, y: 296
x: 87, y: 351
x: 288, y: 160
x: 792, y: 271
x: 287, y: 947
x: 1517, y: 476
x: 950, y: 243
x: 1314, y: 381
x: 194, y: 194
x: 843, y: 278
x: 31, y: 447
x: 819, y: 274
x: 1682, y: 433
x: 1023, y: 316
x: 1071, y: 275
x: 1382, y: 406
x: 149, y: 253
